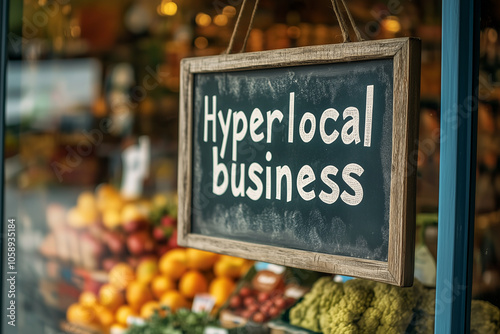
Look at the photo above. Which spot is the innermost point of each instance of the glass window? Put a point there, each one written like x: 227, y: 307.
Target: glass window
x: 92, y: 128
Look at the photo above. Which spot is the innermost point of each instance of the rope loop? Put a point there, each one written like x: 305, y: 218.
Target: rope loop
x: 336, y: 8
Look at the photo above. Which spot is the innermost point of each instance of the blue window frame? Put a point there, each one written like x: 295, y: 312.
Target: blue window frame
x: 459, y: 77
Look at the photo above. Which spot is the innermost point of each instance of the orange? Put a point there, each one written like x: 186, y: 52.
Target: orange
x: 80, y: 314
x: 121, y: 275
x: 172, y: 267
x: 221, y: 288
x: 88, y: 298
x: 233, y: 259
x: 201, y: 260
x: 246, y: 267
x: 146, y: 271
x: 161, y: 284
x: 110, y: 297
x: 123, y: 313
x: 178, y: 254
x: 227, y: 268
x: 105, y: 316
x: 137, y: 294
x: 148, y: 309
x: 192, y: 283
x: 117, y: 328
x: 173, y: 300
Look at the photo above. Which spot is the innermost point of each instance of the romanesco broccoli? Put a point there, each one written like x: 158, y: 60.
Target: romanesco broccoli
x: 485, y: 318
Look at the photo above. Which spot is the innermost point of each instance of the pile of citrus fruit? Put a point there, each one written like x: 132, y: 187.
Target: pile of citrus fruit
x: 173, y: 281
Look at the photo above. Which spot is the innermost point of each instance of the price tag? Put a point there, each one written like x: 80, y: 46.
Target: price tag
x: 135, y: 321
x: 214, y: 330
x: 203, y: 303
x: 135, y: 168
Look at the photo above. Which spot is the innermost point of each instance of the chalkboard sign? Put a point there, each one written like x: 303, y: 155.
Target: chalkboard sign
x: 303, y: 157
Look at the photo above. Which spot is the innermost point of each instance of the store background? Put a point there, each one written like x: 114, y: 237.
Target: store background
x: 75, y: 67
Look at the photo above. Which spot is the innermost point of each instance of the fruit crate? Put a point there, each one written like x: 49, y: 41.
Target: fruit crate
x: 262, y: 295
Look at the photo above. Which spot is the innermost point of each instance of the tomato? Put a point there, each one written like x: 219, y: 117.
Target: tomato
x: 235, y: 302
x: 253, y: 308
x: 280, y: 302
x: 249, y: 301
x: 258, y: 317
x: 245, y: 292
x: 274, y: 312
x: 263, y: 296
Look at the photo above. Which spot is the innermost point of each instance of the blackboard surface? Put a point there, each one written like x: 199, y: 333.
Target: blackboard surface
x: 359, y: 230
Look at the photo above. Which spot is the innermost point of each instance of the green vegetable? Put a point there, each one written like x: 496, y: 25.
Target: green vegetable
x: 322, y: 296
x: 182, y: 322
x: 343, y: 317
x: 485, y: 318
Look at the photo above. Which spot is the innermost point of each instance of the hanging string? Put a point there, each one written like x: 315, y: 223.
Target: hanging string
x: 343, y: 25
x: 236, y: 28
x: 249, y: 26
x: 336, y: 8
x: 356, y: 30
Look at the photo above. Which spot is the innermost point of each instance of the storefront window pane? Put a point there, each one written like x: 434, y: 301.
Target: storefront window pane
x: 92, y: 128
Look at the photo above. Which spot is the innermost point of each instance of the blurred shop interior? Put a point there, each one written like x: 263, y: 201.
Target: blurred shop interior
x: 92, y: 129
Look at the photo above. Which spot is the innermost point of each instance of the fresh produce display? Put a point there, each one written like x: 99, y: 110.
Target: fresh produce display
x: 485, y: 318
x: 104, y: 228
x: 262, y: 296
x: 360, y: 306
x: 170, y: 284
x: 150, y: 278
x: 357, y: 306
x: 181, y: 322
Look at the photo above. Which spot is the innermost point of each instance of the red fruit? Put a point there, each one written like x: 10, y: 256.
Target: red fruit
x: 235, y: 302
x: 249, y: 301
x: 115, y: 242
x: 263, y: 296
x: 264, y: 309
x: 268, y: 303
x: 159, y: 233
x: 245, y: 292
x: 168, y: 221
x: 253, y: 308
x: 134, y: 226
x: 258, y: 317
x: 274, y: 312
x: 139, y: 242
x: 280, y: 303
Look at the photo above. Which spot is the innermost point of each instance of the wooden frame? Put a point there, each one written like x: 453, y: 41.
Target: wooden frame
x: 405, y: 52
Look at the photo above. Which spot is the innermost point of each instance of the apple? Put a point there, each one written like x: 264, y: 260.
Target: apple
x: 136, y: 242
x: 168, y: 221
x: 115, y: 242
x: 135, y: 226
x: 159, y: 233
